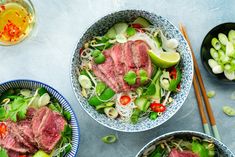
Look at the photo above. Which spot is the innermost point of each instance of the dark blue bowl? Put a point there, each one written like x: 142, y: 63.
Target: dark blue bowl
x: 206, y: 45
x: 30, y: 84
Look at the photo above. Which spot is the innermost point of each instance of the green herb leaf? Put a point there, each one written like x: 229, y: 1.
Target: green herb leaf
x: 2, y: 113
x: 174, y: 82
x: 151, y: 90
x: 41, y: 91
x: 67, y: 133
x: 143, y: 76
x: 199, y: 149
x: 130, y: 31
x: 109, y: 139
x: 3, y: 152
x: 67, y: 115
x: 130, y: 77
x: 17, y: 108
x: 100, y: 87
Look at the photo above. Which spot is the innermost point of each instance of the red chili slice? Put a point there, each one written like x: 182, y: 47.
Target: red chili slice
x: 173, y: 72
x: 156, y: 107
x: 124, y: 100
x: 3, y: 130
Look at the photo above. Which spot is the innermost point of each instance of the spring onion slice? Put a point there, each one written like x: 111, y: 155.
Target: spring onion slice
x: 109, y: 139
x: 223, y: 38
x: 229, y: 110
x: 211, y: 94
x: 215, y: 43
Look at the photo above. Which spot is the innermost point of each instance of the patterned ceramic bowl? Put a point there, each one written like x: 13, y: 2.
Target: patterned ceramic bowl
x: 100, y: 28
x: 30, y: 84
x: 219, y: 145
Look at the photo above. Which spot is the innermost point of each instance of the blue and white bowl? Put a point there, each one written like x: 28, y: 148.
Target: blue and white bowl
x: 100, y: 28
x: 30, y: 84
x: 224, y: 150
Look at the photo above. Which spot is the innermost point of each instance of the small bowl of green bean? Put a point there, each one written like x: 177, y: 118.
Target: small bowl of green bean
x: 218, y: 52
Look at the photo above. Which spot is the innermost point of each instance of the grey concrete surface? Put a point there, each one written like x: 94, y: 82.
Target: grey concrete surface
x: 46, y: 56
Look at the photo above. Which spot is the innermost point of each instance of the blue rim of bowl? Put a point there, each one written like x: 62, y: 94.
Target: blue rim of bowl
x: 71, y: 69
x: 163, y: 136
x: 202, y: 59
x: 38, y: 82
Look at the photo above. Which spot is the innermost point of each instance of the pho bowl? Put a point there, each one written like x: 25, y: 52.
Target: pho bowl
x: 221, y: 148
x: 33, y: 85
x: 170, y: 31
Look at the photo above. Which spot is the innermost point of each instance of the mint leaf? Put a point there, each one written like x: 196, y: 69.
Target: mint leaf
x: 130, y: 77
x: 2, y: 113
x: 143, y: 76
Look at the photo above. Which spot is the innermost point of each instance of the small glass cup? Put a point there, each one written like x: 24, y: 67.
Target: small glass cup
x: 17, y: 20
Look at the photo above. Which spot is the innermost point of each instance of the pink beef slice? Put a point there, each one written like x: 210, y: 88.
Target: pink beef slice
x: 11, y: 144
x: 19, y: 136
x: 30, y: 113
x: 117, y: 54
x: 120, y: 59
x: 177, y: 153
x: 48, y: 134
x: 12, y: 153
x: 25, y: 127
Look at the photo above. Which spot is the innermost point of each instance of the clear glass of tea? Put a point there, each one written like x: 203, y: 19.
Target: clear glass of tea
x: 17, y: 19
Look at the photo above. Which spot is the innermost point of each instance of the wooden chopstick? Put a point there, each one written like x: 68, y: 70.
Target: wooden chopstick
x: 203, y: 91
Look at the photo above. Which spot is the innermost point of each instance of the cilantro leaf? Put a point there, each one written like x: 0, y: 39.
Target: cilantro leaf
x: 17, y: 109
x: 130, y: 77
x: 143, y: 76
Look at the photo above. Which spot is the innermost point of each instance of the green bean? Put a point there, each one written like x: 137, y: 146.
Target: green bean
x: 215, y: 43
x: 229, y: 110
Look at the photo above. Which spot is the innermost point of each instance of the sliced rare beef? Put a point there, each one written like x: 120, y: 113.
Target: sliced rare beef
x: 10, y: 143
x: 120, y: 59
x: 12, y: 153
x: 19, y: 136
x: 47, y: 127
x: 117, y: 54
x: 26, y: 130
x: 30, y: 112
x: 177, y: 153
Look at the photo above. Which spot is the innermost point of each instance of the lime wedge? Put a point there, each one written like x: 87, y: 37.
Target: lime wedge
x: 165, y: 59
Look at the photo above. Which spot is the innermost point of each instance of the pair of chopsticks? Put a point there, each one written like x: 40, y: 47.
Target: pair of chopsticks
x: 197, y: 78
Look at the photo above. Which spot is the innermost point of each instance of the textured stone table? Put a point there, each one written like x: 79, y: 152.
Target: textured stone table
x: 46, y: 57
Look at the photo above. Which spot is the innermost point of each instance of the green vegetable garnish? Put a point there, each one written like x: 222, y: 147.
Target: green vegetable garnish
x: 100, y: 87
x: 109, y: 139
x: 95, y: 53
x: 130, y: 77
x: 67, y: 115
x: 229, y: 110
x: 199, y: 149
x: 231, y: 36
x: 2, y: 113
x: 41, y: 91
x: 143, y: 76
x: 153, y: 115
x: 107, y: 94
x: 211, y: 94
x: 174, y: 82
x: 215, y: 43
x: 17, y: 109
x: 130, y: 31
x: 135, y: 116
x: 3, y: 152
x: 99, y: 59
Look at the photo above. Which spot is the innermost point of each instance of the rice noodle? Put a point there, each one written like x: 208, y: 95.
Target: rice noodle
x: 124, y: 111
